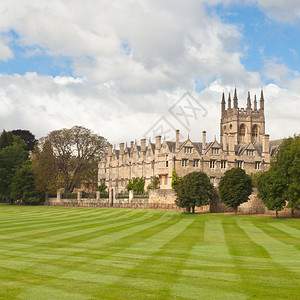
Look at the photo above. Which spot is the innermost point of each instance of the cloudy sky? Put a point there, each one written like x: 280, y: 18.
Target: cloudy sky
x: 131, y: 68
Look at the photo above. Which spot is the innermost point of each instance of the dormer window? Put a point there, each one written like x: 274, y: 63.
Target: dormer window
x: 188, y: 149
x: 250, y: 152
x: 215, y: 150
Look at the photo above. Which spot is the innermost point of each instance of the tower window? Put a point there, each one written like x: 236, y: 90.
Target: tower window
x: 254, y: 133
x: 242, y: 130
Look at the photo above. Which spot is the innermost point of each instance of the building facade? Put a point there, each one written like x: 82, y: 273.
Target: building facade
x: 243, y: 143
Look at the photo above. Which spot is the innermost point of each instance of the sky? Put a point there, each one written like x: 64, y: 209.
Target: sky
x: 134, y: 69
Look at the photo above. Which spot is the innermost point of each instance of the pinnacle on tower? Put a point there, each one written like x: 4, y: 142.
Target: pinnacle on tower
x: 235, y: 99
x: 229, y: 101
x: 223, y: 103
x: 255, y: 103
x: 248, y: 101
x: 261, y: 101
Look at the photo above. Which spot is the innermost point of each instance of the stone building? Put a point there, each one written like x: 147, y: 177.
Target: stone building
x: 243, y: 143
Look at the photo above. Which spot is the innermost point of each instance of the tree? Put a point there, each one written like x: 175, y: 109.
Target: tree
x: 235, y: 188
x: 11, y: 159
x: 193, y: 190
x: 271, y: 190
x: 27, y: 137
x: 22, y: 185
x: 45, y: 168
x: 175, y: 179
x: 154, y: 183
x: 281, y: 184
x: 75, y: 153
x: 6, y: 139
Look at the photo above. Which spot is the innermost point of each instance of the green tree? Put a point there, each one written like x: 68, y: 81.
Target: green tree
x: 26, y: 136
x: 6, y: 139
x: 284, y: 185
x: 154, y: 183
x: 271, y: 191
x: 11, y: 159
x: 235, y: 188
x: 45, y: 168
x: 175, y: 179
x: 193, y: 190
x: 76, y: 153
x: 22, y: 185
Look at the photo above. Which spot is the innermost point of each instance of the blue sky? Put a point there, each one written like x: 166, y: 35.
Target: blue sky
x: 134, y: 59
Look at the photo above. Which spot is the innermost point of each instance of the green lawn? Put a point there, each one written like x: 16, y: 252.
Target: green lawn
x: 91, y: 253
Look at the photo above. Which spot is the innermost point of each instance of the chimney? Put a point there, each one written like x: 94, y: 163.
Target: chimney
x: 143, y: 145
x: 157, y: 142
x: 266, y: 144
x: 121, y: 149
x: 177, y: 139
x: 203, y: 141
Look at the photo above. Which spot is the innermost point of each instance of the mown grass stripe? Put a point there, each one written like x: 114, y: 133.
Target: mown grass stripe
x: 152, y: 254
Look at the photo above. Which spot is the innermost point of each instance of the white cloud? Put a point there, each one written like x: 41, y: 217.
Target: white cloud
x: 119, y: 93
x: 5, y: 52
x: 282, y: 11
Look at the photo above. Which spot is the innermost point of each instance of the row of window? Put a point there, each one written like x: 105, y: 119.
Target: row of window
x: 213, y: 164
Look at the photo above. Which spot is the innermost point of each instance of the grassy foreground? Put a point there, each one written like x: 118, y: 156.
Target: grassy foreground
x: 90, y: 253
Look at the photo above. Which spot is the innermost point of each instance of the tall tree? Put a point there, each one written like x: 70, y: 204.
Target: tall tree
x: 26, y: 136
x: 22, y: 185
x: 45, y: 168
x: 11, y: 159
x: 284, y: 185
x: 76, y: 153
x: 235, y: 188
x: 271, y: 190
x: 193, y: 190
x: 6, y: 139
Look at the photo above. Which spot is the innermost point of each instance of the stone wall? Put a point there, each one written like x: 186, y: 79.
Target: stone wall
x: 165, y: 199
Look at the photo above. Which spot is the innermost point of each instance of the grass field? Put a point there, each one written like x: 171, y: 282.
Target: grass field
x: 90, y: 253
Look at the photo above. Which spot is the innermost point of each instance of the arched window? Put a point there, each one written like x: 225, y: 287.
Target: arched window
x: 242, y: 132
x: 254, y: 133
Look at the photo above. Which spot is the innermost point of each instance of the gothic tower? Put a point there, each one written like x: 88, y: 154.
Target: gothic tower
x: 245, y: 125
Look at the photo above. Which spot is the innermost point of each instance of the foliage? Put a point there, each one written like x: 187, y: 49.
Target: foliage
x: 6, y: 139
x: 175, y: 179
x: 154, y: 183
x: 193, y: 190
x: 22, y: 186
x: 45, y: 168
x: 282, y: 181
x: 102, y: 188
x: 255, y: 178
x: 11, y: 159
x: 27, y: 137
x: 271, y: 190
x: 137, y: 185
x: 235, y: 187
x: 75, y: 154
